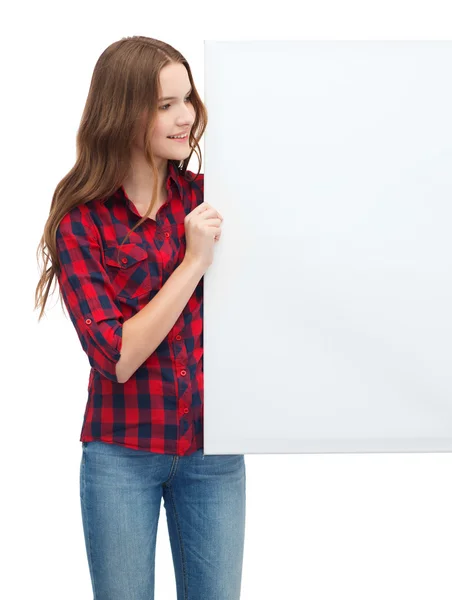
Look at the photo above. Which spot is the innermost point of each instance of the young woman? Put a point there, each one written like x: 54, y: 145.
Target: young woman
x: 129, y: 239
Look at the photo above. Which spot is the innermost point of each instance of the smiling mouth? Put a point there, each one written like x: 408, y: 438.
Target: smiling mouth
x: 184, y: 137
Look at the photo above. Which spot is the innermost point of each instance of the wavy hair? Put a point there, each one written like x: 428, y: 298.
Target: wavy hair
x: 125, y: 82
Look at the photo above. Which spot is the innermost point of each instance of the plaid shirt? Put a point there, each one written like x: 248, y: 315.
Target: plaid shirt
x: 160, y: 408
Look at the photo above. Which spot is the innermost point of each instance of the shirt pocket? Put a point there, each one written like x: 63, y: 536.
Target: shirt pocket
x: 128, y: 268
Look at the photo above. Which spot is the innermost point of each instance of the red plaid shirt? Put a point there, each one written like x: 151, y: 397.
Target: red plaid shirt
x: 160, y: 408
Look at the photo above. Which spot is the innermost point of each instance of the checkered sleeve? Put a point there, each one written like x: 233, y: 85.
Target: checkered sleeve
x: 88, y: 293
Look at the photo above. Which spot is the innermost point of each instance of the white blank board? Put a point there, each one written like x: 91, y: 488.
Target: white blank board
x: 327, y: 309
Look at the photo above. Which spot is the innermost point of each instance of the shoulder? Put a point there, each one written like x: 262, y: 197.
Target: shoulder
x: 78, y: 221
x: 195, y: 180
x: 196, y: 184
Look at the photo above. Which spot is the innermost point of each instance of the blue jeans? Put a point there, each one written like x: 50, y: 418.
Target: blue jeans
x: 204, y: 498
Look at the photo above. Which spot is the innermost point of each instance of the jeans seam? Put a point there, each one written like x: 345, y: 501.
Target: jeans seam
x: 181, y: 545
x: 90, y: 556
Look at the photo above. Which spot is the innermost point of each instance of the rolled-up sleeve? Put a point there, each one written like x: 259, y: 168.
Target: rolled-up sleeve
x: 88, y: 293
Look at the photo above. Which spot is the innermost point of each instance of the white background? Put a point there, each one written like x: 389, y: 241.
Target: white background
x: 319, y: 526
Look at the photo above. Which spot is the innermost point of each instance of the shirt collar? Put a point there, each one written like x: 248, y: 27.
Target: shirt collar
x: 175, y: 175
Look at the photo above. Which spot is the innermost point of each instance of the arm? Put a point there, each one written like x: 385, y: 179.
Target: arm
x: 143, y: 333
x: 88, y: 293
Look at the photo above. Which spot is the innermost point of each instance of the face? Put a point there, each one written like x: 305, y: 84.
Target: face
x: 174, y: 116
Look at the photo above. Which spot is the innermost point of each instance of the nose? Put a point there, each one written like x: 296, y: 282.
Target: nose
x: 188, y: 117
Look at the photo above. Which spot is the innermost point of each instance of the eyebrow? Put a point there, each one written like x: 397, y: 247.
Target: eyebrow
x: 173, y: 97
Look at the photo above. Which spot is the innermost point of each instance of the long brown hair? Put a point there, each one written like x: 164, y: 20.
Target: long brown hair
x: 125, y: 82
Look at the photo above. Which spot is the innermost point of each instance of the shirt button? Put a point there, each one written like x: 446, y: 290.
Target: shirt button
x: 167, y: 234
x: 185, y: 410
x: 88, y: 321
x: 124, y: 260
x: 178, y: 337
x: 183, y: 372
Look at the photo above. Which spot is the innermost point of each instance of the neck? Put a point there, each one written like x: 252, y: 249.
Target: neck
x: 140, y: 178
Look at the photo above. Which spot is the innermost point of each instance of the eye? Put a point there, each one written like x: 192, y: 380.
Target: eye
x: 165, y: 105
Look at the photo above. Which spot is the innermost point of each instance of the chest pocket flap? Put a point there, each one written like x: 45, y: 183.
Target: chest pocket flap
x: 128, y: 267
x: 124, y: 256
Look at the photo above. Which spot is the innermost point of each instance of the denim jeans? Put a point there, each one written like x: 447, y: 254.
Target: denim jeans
x: 204, y: 498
